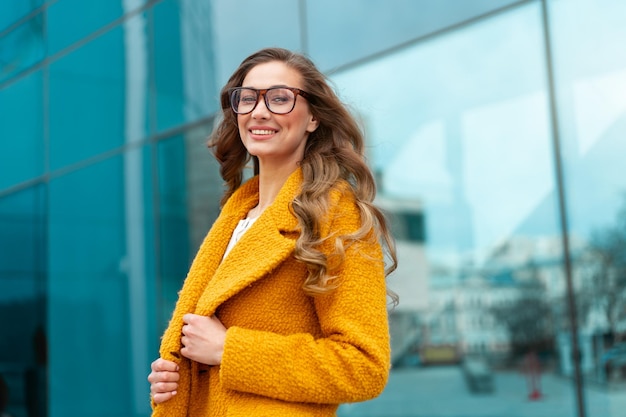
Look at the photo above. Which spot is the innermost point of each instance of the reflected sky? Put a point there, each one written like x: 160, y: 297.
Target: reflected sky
x: 461, y: 124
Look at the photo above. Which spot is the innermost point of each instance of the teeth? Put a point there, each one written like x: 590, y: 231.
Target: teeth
x: 262, y: 132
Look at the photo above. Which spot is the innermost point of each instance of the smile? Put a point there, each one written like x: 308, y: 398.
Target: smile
x: 262, y: 132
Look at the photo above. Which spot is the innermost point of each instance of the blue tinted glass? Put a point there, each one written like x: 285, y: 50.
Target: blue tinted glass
x: 590, y: 73
x: 140, y: 265
x: 190, y: 190
x: 13, y: 10
x: 381, y: 24
x: 204, y: 184
x: 100, y: 254
x: 174, y: 231
x: 168, y: 70
x: 22, y: 47
x: 184, y: 61
x: 71, y: 20
x: 239, y: 33
x: 21, y: 131
x: 459, y: 134
x: 97, y: 100
x: 23, y: 301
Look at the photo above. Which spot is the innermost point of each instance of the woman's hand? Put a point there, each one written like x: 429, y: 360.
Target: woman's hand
x: 203, y: 339
x: 163, y: 380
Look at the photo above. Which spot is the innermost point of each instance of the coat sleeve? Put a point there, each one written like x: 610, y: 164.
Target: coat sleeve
x: 349, y: 363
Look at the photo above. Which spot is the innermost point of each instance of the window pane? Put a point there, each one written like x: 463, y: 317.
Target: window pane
x: 101, y: 281
x: 21, y: 130
x: 460, y: 138
x: 381, y: 24
x: 22, y: 47
x: 184, y: 62
x: 591, y: 86
x: 190, y: 189
x: 12, y: 11
x: 23, y: 361
x: 174, y: 252
x: 238, y: 33
x: 71, y: 20
x: 97, y: 98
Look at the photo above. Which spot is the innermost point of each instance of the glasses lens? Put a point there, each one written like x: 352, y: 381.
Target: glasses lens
x: 243, y: 100
x: 280, y: 100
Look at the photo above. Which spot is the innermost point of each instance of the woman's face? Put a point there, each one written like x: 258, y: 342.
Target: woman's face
x: 276, y: 139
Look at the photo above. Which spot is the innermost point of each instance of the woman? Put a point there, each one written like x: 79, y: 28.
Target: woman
x: 284, y: 310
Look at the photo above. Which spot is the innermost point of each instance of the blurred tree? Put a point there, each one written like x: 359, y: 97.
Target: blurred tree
x: 527, y: 319
x: 603, y: 288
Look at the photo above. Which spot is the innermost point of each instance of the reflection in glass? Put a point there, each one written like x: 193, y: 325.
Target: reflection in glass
x: 69, y: 21
x: 189, y: 192
x: 93, y: 299
x: 16, y: 10
x: 174, y: 251
x: 22, y: 47
x: 87, y: 100
x: 184, y: 62
x: 21, y: 131
x: 23, y: 344
x: 233, y: 42
x: 590, y: 74
x: 381, y: 25
x: 460, y: 136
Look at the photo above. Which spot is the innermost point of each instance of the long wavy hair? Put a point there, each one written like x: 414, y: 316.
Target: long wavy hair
x: 333, y: 155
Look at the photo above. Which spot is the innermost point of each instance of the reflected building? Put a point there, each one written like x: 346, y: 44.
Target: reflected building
x: 410, y: 279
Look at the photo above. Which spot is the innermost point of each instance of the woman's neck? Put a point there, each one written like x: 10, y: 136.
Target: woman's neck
x: 271, y: 180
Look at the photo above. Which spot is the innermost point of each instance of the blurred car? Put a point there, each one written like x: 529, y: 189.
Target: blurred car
x: 478, y: 375
x: 408, y: 360
x: 614, y: 359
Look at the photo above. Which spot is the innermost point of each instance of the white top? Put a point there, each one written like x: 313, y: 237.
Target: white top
x: 241, y: 228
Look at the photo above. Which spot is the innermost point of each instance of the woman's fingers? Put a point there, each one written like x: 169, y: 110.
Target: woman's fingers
x: 203, y: 339
x: 164, y: 365
x: 163, y: 376
x: 162, y: 397
x: 163, y: 380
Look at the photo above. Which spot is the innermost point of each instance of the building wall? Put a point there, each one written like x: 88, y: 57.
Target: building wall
x: 499, y: 123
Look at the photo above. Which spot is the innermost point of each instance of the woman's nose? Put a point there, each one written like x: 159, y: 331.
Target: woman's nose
x: 260, y: 110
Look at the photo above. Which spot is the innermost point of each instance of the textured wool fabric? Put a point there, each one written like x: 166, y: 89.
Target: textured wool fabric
x: 286, y: 353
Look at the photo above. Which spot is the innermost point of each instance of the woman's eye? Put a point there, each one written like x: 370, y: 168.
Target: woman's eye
x: 280, y: 99
x: 247, y: 99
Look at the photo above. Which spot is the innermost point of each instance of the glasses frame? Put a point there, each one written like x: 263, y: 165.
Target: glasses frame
x: 262, y: 92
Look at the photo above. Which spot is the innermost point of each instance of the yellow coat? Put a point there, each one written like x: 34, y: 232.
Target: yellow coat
x: 286, y: 353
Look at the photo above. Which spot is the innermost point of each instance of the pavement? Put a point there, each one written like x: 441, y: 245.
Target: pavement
x: 442, y: 392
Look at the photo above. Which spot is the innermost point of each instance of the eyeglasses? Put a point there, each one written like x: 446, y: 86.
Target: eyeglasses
x: 278, y: 100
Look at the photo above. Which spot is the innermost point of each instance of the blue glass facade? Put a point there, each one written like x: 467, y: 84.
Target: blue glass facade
x: 496, y: 129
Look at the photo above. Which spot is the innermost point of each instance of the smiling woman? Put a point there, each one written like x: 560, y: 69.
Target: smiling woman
x: 284, y: 310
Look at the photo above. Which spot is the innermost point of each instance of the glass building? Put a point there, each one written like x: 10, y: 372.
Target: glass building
x: 496, y: 128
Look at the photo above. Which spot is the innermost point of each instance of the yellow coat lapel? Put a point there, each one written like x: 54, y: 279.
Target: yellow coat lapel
x: 268, y: 242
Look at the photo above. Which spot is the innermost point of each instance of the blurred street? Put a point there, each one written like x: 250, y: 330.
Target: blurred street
x: 442, y: 392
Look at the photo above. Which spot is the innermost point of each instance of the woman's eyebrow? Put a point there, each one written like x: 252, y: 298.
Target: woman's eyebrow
x: 272, y: 86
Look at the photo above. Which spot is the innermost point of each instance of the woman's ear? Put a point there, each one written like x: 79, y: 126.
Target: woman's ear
x: 313, y: 124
